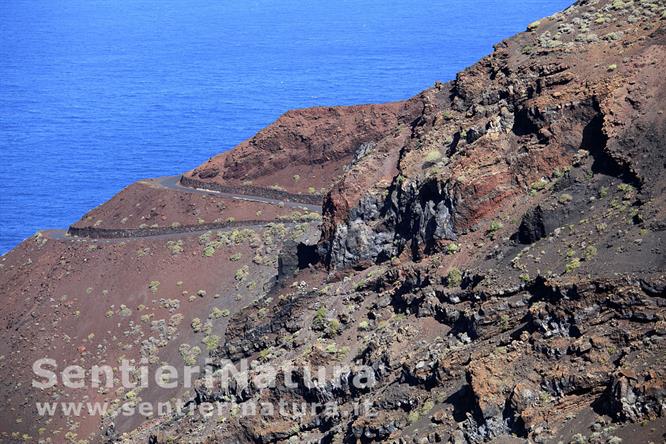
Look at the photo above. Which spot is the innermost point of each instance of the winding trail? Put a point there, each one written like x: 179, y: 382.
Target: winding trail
x: 173, y: 183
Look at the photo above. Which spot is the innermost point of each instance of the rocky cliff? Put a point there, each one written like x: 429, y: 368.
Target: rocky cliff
x: 490, y: 254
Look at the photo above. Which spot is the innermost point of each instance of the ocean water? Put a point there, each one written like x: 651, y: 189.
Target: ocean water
x: 95, y: 94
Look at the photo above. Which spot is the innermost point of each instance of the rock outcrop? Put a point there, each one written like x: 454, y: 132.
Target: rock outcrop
x: 489, y: 266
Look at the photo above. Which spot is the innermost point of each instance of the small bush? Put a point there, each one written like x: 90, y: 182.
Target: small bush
x: 208, y: 251
x: 452, y: 248
x: 433, y: 156
x: 153, y: 286
x: 217, y: 313
x: 565, y: 198
x: 211, y: 342
x: 319, y: 321
x: 454, y: 278
x: 175, y: 247
x: 590, y: 252
x: 189, y: 354
x: 534, y: 25
x: 538, y: 185
x: 504, y: 322
x: 572, y: 265
x: 334, y: 327
x: 494, y: 227
x: 264, y: 354
x: 242, y: 273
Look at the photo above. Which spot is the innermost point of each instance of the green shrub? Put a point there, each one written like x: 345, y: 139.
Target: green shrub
x: 454, y: 278
x: 538, y: 185
x: 211, y: 342
x: 209, y: 250
x: 334, y: 327
x: 217, y: 313
x: 590, y: 252
x: 452, y: 248
x: 265, y: 354
x: 189, y: 354
x: 433, y: 156
x: 504, y: 322
x: 242, y: 273
x: 319, y: 321
x: 565, y: 198
x: 494, y: 227
x: 175, y: 247
x: 572, y: 265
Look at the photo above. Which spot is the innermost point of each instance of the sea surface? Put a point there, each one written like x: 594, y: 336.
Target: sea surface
x: 96, y: 94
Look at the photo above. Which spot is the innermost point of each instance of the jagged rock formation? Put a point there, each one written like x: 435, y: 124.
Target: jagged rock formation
x: 491, y: 256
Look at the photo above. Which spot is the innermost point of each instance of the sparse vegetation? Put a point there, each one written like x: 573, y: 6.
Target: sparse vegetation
x: 539, y: 185
x: 565, y: 198
x: 572, y: 265
x: 153, y: 286
x: 504, y: 322
x: 454, y: 278
x: 189, y: 354
x: 242, y: 273
x: 494, y: 227
x: 433, y: 156
x: 217, y: 313
x: 590, y: 252
x: 319, y: 321
x: 211, y: 342
x: 175, y: 247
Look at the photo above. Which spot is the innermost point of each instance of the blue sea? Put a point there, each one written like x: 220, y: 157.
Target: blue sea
x: 95, y: 94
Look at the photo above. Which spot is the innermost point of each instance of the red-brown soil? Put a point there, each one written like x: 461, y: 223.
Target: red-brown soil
x: 304, y: 151
x: 492, y: 249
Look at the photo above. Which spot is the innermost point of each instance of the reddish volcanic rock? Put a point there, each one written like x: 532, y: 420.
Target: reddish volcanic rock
x: 491, y: 253
x: 305, y: 150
